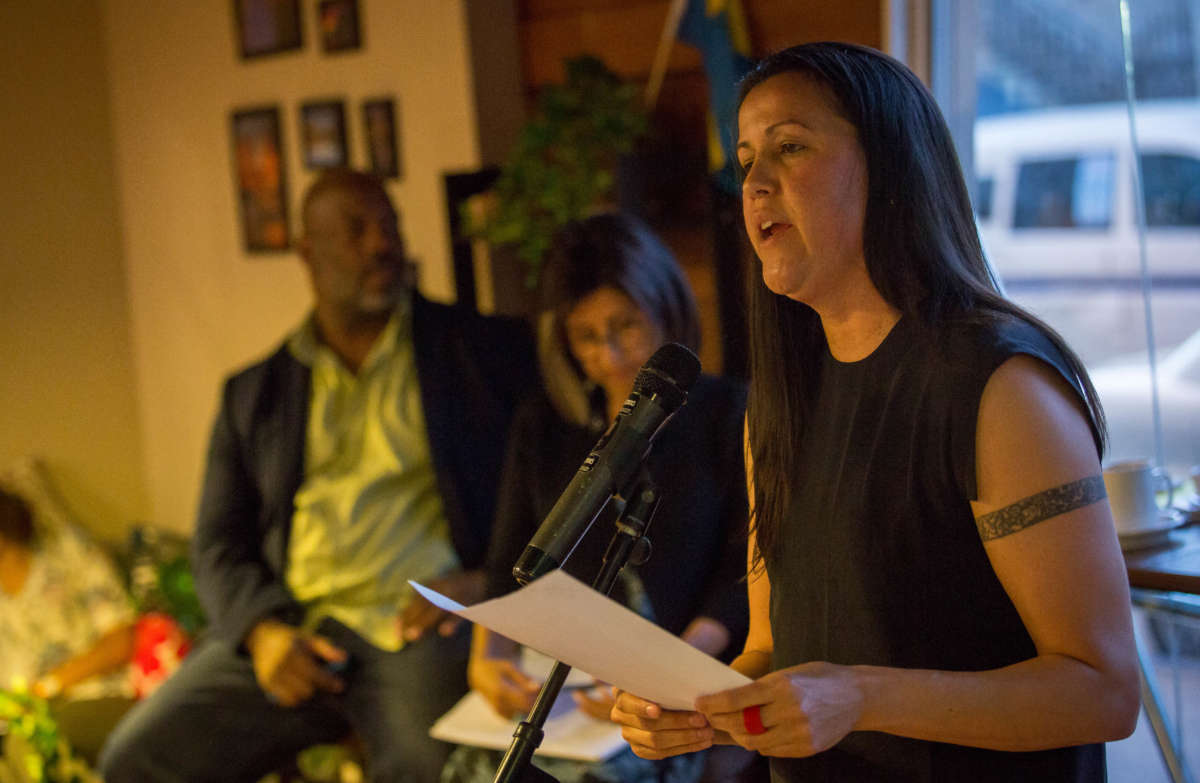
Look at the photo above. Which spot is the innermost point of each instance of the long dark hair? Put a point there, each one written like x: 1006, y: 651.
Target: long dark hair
x: 616, y: 250
x: 921, y: 245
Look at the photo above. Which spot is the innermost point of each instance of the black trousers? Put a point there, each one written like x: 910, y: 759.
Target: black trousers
x: 210, y: 721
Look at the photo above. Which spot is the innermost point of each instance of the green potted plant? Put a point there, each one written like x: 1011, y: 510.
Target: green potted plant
x: 32, y: 750
x: 563, y: 165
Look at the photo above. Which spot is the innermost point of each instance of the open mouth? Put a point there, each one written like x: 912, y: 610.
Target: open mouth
x: 769, y: 228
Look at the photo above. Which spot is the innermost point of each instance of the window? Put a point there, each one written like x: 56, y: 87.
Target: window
x: 1171, y: 184
x: 1059, y: 147
x: 1070, y: 193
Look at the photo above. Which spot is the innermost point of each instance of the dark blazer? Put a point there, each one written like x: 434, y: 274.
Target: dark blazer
x: 472, y: 372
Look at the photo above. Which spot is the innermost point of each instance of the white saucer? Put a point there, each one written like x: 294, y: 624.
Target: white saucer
x: 1152, y: 535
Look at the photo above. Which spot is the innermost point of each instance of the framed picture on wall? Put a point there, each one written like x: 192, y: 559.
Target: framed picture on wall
x: 267, y: 26
x: 259, y: 171
x: 338, y: 23
x: 323, y: 134
x: 379, y: 128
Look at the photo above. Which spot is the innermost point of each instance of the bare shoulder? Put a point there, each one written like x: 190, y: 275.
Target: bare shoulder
x: 1035, y: 454
x: 1024, y: 387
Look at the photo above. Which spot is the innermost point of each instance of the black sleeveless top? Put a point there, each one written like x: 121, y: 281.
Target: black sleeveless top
x: 880, y: 561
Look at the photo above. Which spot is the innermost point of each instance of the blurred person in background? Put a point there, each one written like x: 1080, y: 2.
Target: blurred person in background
x: 611, y: 294
x: 361, y: 454
x: 67, y: 624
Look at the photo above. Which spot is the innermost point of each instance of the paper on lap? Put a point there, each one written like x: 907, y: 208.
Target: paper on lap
x: 570, y: 733
x: 571, y: 622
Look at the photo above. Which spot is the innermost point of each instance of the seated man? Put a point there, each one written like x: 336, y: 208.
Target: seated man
x: 67, y: 624
x: 361, y: 454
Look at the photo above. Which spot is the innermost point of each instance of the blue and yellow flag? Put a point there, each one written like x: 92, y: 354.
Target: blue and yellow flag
x: 718, y: 29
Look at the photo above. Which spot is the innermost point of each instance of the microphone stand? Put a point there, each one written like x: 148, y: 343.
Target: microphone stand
x: 628, y: 543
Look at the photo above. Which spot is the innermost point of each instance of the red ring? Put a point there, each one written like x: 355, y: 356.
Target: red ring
x: 752, y: 720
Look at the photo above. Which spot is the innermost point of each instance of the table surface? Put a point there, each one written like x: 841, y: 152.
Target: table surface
x: 1174, y: 565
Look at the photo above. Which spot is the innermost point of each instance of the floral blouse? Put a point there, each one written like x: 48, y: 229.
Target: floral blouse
x: 71, y: 597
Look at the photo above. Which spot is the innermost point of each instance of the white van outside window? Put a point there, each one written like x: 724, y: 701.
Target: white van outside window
x: 1056, y: 193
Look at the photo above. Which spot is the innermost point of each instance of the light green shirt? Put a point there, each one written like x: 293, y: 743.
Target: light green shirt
x: 368, y: 514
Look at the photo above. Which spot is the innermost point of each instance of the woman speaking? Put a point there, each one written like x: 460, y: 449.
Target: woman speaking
x: 935, y: 585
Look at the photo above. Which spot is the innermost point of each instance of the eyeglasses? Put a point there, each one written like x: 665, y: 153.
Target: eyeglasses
x: 625, y: 334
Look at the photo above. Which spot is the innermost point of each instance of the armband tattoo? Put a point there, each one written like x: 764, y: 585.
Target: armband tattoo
x: 1040, y: 507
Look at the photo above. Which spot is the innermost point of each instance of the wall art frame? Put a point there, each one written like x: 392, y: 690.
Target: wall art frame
x: 380, y: 134
x: 323, y: 134
x: 265, y: 27
x: 260, y: 177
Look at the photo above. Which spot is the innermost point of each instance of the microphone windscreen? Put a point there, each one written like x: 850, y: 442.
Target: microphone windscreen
x: 670, y: 373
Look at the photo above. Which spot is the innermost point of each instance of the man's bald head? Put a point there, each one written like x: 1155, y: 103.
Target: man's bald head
x: 352, y: 247
x: 341, y: 180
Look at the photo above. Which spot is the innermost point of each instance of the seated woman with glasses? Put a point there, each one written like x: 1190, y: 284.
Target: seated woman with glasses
x: 611, y: 295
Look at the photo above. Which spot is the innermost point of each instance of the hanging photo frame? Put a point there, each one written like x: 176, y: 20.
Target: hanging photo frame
x: 263, y: 27
x: 339, y: 26
x: 323, y: 134
x: 379, y: 130
x: 259, y: 174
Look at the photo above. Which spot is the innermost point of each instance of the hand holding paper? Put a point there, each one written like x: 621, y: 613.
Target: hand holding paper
x: 569, y: 621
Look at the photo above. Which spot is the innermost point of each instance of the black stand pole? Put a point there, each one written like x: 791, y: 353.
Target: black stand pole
x: 628, y: 543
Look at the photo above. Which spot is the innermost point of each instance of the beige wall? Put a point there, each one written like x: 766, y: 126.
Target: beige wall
x: 200, y: 305
x: 67, y: 377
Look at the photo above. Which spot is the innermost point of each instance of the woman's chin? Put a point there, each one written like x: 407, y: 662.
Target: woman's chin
x: 779, y: 276
x: 783, y: 285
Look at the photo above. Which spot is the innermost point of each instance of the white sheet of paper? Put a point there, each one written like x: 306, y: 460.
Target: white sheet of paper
x: 571, y: 622
x: 570, y: 734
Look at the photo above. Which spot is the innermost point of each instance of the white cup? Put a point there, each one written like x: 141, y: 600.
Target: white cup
x: 1132, y: 487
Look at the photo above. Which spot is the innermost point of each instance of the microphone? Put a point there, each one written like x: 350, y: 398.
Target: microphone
x: 660, y: 389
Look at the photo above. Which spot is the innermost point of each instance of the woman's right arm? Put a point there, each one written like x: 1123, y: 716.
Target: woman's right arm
x: 755, y: 660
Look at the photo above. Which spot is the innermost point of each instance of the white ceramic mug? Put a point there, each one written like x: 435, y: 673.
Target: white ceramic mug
x: 1132, y: 487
